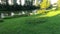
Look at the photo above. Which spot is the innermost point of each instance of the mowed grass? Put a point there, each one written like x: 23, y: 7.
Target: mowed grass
x: 31, y: 25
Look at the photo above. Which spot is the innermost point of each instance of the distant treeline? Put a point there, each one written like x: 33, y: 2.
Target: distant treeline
x: 16, y: 7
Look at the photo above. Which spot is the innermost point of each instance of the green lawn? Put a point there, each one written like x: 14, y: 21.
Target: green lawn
x: 31, y: 25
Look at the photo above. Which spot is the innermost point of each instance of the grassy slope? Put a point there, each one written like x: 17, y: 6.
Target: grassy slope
x: 19, y: 26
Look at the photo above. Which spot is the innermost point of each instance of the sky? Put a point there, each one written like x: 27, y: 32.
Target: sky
x: 23, y: 2
x: 18, y: 2
x: 10, y: 3
x: 53, y: 1
x: 0, y: 1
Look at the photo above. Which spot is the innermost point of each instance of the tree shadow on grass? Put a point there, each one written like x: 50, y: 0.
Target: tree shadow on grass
x: 35, y: 21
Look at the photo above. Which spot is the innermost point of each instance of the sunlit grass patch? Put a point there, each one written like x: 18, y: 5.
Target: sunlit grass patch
x: 51, y: 14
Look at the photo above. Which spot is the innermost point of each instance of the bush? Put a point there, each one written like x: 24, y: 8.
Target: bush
x: 15, y: 16
x: 8, y: 17
x: 1, y: 20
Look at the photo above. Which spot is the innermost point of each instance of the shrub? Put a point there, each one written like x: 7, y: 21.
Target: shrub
x: 1, y: 20
x: 15, y: 16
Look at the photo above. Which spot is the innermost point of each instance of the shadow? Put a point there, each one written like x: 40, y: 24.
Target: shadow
x: 35, y: 21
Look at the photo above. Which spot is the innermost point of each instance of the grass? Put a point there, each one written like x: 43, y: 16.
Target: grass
x: 31, y: 25
x: 51, y: 13
x: 50, y: 24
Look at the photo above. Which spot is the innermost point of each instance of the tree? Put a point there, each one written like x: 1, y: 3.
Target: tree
x: 0, y: 15
x: 58, y: 3
x: 44, y: 4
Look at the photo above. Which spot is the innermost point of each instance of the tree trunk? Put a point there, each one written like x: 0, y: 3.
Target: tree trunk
x: 0, y: 15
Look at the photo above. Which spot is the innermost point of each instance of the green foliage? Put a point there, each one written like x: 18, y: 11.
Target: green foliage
x: 1, y: 20
x: 17, y: 8
x: 15, y: 16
